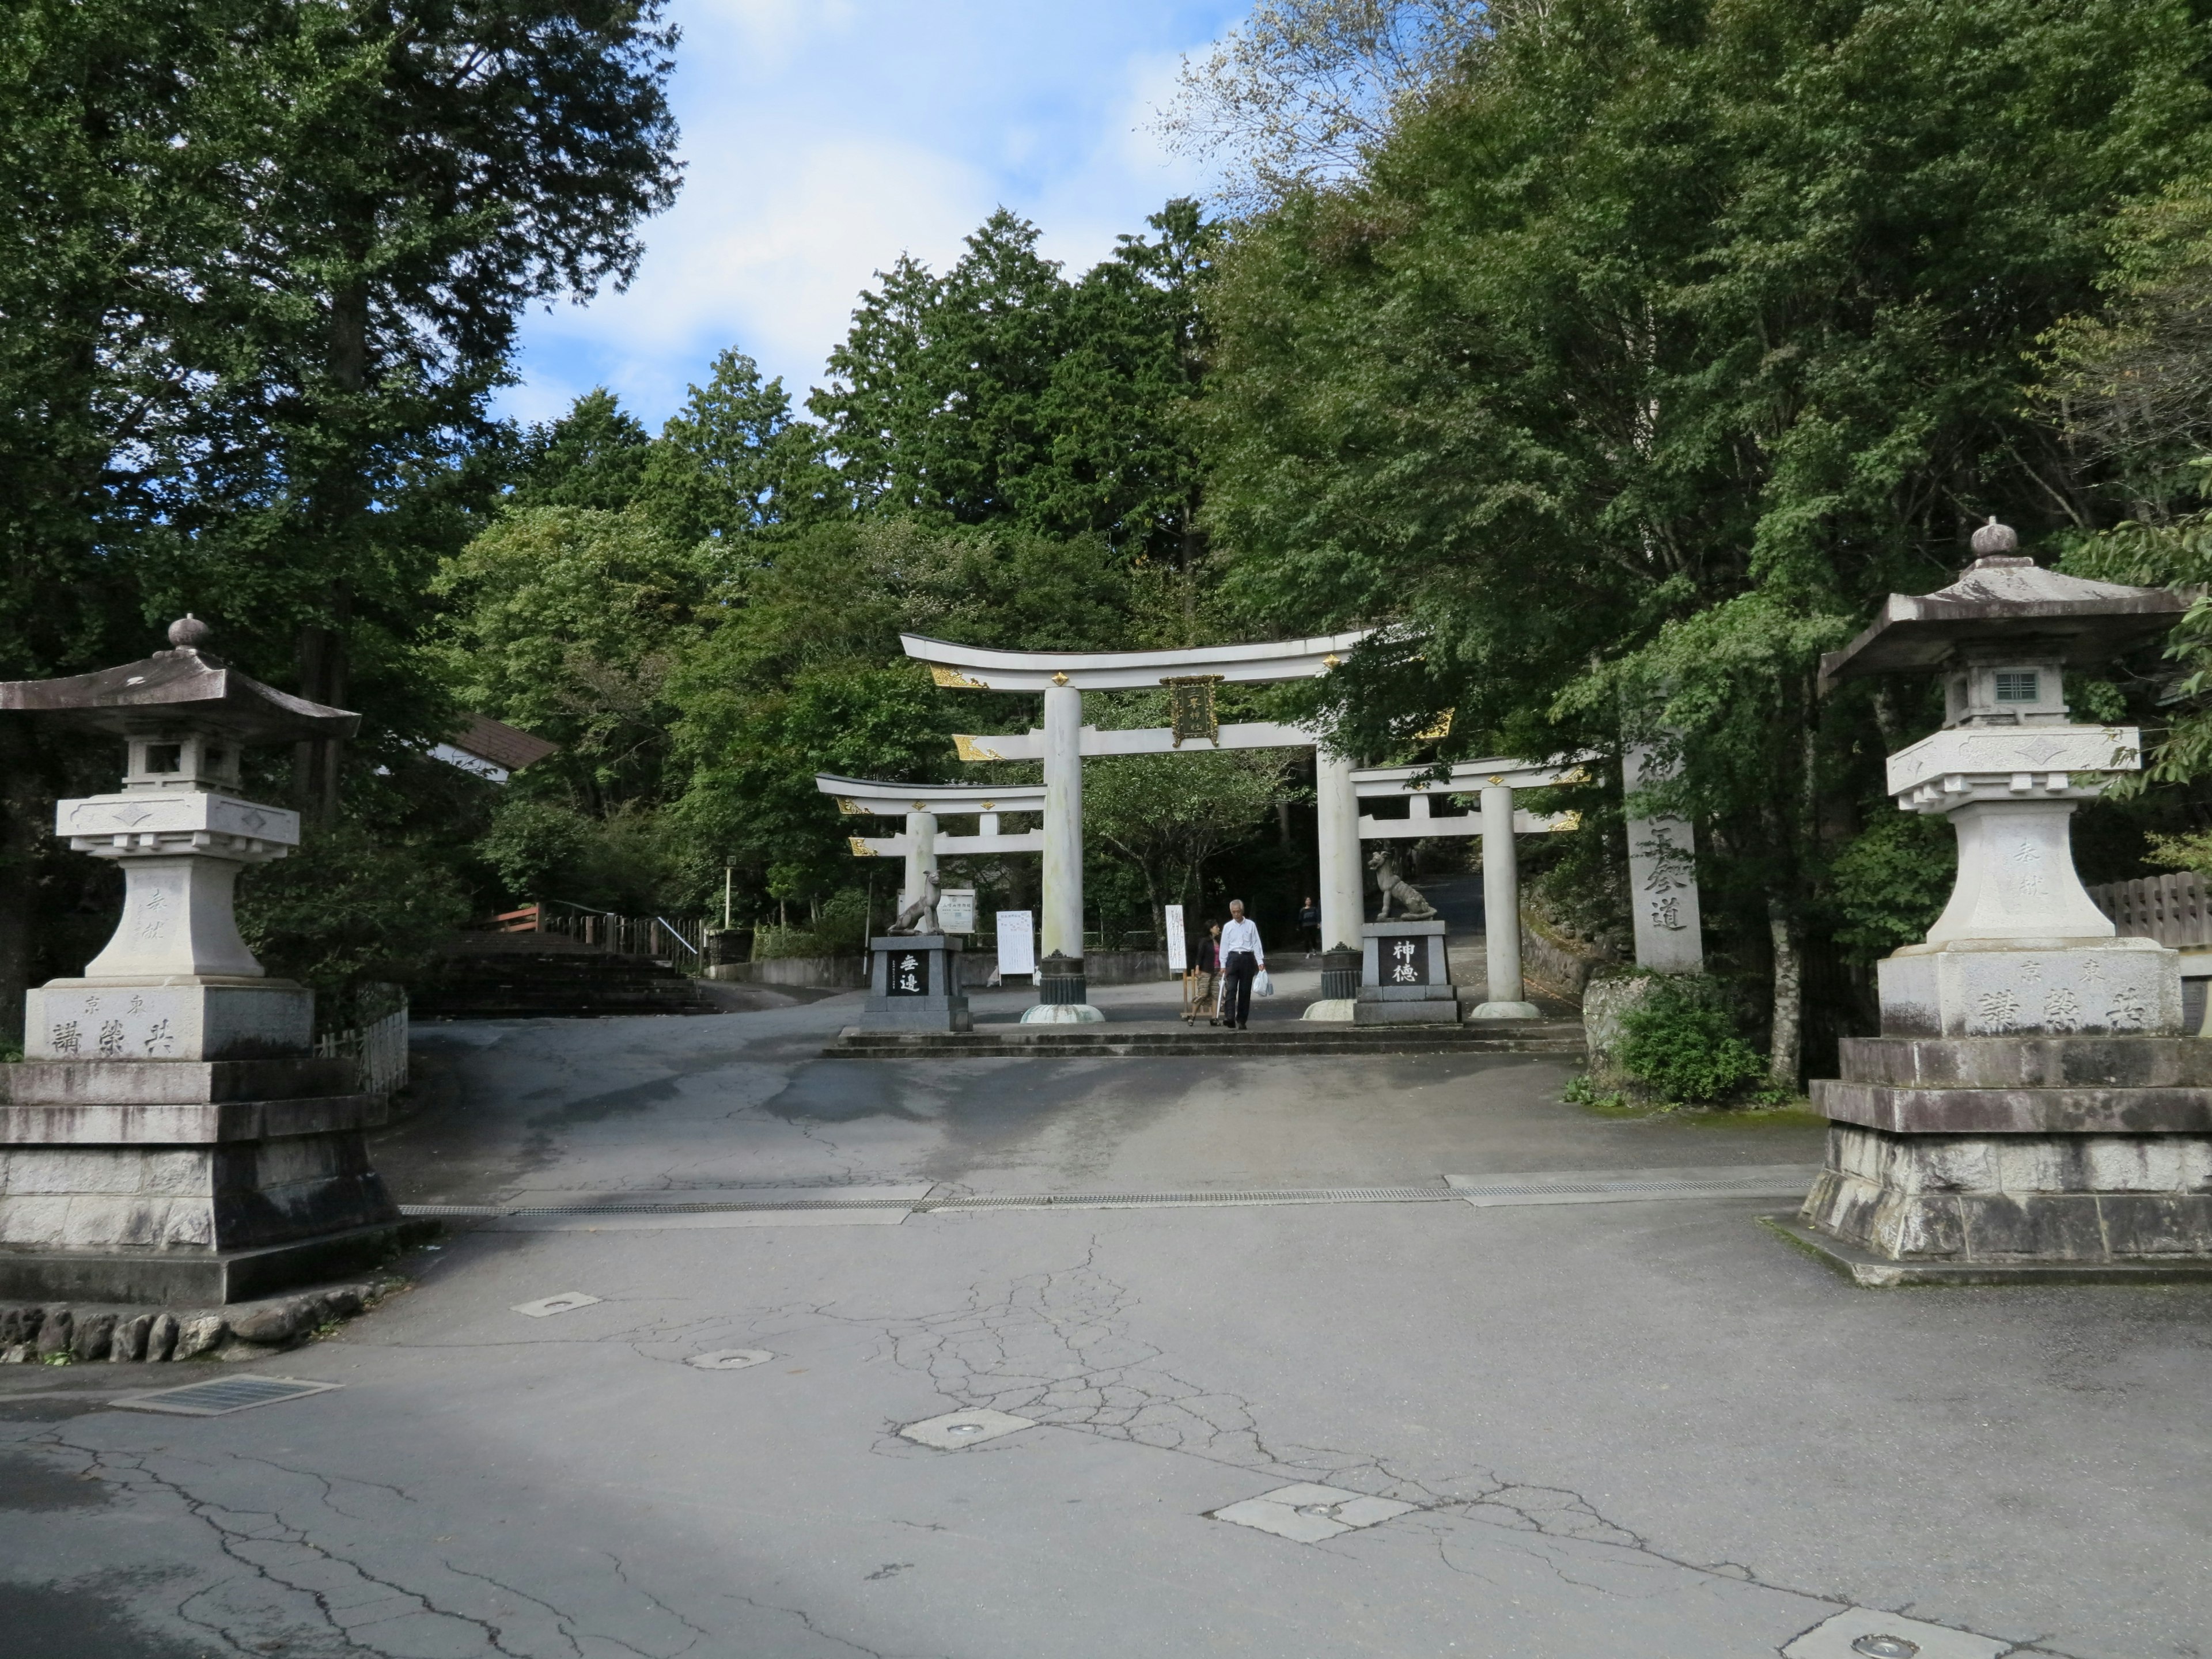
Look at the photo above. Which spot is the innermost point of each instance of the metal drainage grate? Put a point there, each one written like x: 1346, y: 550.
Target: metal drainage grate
x: 1548, y: 1187
x: 222, y: 1395
x: 1273, y: 1195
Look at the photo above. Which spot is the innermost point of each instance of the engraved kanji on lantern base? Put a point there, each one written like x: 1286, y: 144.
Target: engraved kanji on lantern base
x: 2031, y: 1107
x: 913, y: 985
x: 168, y: 1138
x: 1405, y: 976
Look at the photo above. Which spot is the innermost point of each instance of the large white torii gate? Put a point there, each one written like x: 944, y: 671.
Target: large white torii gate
x: 922, y: 805
x: 1062, y: 677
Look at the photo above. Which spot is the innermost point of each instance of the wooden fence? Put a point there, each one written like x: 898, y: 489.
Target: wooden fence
x: 378, y: 1046
x: 2172, y: 909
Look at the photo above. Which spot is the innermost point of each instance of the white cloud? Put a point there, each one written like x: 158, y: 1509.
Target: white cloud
x: 825, y: 137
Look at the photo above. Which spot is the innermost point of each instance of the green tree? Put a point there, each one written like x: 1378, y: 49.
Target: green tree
x: 1646, y: 352
x: 594, y: 456
x: 262, y: 272
x: 734, y: 460
x: 565, y: 621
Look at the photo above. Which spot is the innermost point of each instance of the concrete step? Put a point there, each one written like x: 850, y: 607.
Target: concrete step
x: 1285, y: 1037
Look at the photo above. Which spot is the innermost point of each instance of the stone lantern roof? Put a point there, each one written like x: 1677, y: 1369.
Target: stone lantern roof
x: 179, y: 687
x: 2005, y: 598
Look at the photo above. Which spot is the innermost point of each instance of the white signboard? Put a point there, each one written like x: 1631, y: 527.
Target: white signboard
x: 956, y: 910
x: 1178, y: 950
x: 1017, y: 942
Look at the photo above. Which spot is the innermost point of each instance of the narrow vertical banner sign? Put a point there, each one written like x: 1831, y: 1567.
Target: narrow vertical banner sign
x: 956, y: 910
x: 1017, y: 942
x: 1178, y: 947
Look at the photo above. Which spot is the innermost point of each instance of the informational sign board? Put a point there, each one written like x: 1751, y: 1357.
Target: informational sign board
x: 956, y: 910
x: 909, y: 976
x: 1178, y: 947
x: 1017, y: 942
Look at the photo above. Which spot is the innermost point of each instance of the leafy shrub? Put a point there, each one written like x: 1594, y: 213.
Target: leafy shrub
x: 345, y: 911
x: 1682, y: 1045
x: 1887, y: 887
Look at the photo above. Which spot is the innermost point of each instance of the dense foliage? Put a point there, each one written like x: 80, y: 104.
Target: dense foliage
x: 260, y: 274
x: 1642, y: 355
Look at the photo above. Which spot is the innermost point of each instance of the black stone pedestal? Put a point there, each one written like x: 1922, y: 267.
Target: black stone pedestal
x: 913, y: 985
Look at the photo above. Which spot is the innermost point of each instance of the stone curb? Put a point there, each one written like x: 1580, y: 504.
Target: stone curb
x: 56, y: 1333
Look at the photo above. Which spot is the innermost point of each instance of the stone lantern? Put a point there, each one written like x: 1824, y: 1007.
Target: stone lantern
x: 167, y: 1136
x: 2030, y: 1107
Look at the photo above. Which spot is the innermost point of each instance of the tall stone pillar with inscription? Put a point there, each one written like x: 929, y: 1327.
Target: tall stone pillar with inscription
x: 1662, y: 875
x: 2030, y: 1107
x: 168, y: 1137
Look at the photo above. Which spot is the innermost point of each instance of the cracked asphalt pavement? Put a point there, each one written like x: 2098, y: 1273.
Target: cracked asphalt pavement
x: 1646, y: 1429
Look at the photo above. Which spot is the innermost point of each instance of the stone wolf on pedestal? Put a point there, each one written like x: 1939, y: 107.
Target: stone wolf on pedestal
x: 1393, y: 885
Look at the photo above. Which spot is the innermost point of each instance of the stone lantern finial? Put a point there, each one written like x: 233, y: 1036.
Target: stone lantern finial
x: 189, y: 633
x: 1996, y: 541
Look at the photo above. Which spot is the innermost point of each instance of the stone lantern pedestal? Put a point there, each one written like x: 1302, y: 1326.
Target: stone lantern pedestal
x: 169, y: 1136
x: 2031, y: 1109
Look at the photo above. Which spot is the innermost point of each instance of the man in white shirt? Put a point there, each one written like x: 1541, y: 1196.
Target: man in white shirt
x: 1241, y: 956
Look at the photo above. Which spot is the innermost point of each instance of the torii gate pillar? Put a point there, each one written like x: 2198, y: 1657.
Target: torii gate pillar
x: 1061, y: 977
x: 1501, y: 909
x: 1343, y: 897
x: 921, y: 854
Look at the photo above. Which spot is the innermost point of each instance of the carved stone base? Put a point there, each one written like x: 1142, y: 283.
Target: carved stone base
x: 116, y: 1175
x: 190, y: 1018
x: 2117, y: 986
x: 2000, y: 1198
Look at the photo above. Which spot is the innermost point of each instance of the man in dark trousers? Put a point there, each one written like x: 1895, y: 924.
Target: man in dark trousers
x: 1241, y: 956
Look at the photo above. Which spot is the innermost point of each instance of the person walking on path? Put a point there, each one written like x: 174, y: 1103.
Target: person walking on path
x: 1310, y: 924
x: 1241, y: 956
x: 1209, y: 963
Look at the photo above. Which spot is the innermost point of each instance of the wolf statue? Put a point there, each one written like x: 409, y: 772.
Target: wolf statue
x: 919, y: 916
x: 1411, y: 905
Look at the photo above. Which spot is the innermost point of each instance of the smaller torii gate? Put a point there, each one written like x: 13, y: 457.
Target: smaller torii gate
x: 922, y: 805
x: 1497, y: 821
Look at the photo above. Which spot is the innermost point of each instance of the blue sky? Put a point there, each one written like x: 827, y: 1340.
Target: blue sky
x: 825, y: 137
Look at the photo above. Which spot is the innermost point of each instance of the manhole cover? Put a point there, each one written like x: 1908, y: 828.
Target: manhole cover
x: 729, y: 1359
x: 1870, y: 1634
x: 220, y: 1394
x: 546, y: 1307
x: 1307, y: 1514
x: 956, y: 1429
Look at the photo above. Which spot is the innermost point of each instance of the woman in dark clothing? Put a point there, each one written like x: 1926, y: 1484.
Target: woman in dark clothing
x: 1209, y: 963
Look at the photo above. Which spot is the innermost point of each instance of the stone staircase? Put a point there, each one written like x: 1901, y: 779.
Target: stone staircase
x: 544, y: 976
x: 1275, y: 1038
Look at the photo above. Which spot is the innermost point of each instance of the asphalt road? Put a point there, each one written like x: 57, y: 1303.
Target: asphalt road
x: 1646, y: 1429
